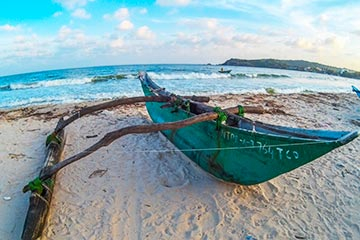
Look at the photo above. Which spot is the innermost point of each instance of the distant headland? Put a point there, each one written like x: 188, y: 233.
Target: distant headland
x: 298, y: 65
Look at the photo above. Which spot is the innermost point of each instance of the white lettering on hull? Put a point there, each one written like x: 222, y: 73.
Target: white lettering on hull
x: 278, y: 152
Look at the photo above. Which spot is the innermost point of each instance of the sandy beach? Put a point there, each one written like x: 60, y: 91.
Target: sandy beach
x: 129, y: 191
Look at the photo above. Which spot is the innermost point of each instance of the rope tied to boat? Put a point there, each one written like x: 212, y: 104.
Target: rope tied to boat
x: 186, y: 104
x: 176, y: 104
x: 37, y: 185
x: 180, y: 103
x: 222, y: 117
x: 241, y: 111
x: 52, y: 138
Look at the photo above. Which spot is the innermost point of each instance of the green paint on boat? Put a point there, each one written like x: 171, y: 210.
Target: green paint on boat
x: 248, y: 153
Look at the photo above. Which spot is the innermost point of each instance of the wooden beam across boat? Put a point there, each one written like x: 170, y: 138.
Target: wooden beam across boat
x: 39, y: 201
x: 118, y: 102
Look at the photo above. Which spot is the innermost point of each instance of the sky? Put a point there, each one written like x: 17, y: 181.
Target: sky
x: 54, y: 34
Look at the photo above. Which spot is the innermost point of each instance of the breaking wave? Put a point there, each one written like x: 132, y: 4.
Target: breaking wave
x: 198, y: 75
x: 187, y: 76
x: 42, y: 84
x: 105, y: 78
x: 66, y: 82
x: 259, y: 75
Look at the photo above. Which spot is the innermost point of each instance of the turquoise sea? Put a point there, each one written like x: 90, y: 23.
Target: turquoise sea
x: 107, y: 82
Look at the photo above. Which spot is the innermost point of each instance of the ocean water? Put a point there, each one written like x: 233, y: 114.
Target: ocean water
x: 108, y: 82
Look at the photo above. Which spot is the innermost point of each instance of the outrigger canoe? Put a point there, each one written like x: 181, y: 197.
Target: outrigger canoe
x: 241, y: 150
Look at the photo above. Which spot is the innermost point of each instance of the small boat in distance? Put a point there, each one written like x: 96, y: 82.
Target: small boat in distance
x: 224, y: 71
x: 357, y: 91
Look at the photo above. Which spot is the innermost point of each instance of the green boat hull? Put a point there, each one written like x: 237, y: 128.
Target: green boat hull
x: 236, y: 155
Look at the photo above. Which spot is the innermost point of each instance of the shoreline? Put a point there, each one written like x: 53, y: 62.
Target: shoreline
x: 123, y: 191
x: 39, y: 109
x: 265, y: 91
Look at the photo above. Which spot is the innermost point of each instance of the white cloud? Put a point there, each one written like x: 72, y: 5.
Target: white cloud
x: 81, y: 13
x: 57, y: 14
x: 294, y: 4
x: 184, y: 38
x: 180, y: 3
x: 125, y: 25
x: 31, y: 46
x: 8, y: 27
x: 117, y: 43
x: 64, y: 32
x: 121, y: 14
x: 233, y: 5
x: 335, y: 42
x: 324, y: 18
x: 72, y: 4
x: 306, y: 44
x: 321, y: 43
x: 202, y: 23
x: 248, y: 38
x: 207, y: 31
x: 71, y: 38
x: 145, y: 33
x: 341, y: 20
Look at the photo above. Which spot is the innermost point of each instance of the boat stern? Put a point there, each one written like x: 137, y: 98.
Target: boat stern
x: 348, y: 137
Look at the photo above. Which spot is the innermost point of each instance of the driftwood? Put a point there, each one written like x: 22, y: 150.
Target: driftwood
x: 40, y: 202
x: 110, y: 137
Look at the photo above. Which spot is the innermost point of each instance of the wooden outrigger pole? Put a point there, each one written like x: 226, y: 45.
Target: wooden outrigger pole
x: 41, y: 192
x: 42, y: 186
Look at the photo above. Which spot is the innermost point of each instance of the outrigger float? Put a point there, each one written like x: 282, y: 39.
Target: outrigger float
x: 221, y: 141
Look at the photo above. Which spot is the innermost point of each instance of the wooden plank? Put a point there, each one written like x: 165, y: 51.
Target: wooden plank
x: 40, y: 203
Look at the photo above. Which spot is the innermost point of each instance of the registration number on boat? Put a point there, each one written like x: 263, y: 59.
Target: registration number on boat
x: 274, y: 151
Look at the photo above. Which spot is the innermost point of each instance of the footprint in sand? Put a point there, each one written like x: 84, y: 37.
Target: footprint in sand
x: 172, y: 175
x: 172, y: 182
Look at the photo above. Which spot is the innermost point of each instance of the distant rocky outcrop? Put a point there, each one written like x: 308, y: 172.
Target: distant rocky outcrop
x: 298, y: 65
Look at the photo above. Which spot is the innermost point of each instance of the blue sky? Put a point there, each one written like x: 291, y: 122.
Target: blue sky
x: 52, y: 34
